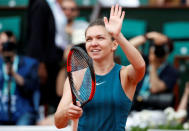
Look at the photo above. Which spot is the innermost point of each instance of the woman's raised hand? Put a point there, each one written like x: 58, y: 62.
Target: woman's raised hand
x: 114, y: 24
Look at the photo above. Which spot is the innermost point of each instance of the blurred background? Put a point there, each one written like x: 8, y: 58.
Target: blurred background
x: 35, y: 28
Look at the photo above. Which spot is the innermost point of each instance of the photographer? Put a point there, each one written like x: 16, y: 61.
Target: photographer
x: 6, y: 36
x: 155, y: 91
x: 18, y: 84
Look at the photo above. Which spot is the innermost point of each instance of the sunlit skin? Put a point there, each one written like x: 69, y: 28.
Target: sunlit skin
x: 99, y: 44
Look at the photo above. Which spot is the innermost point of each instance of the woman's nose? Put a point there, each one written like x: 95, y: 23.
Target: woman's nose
x: 94, y: 42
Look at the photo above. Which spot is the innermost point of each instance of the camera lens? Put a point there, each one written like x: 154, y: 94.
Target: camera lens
x: 160, y: 51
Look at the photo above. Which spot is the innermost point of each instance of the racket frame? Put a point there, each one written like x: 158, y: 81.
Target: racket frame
x: 90, y: 65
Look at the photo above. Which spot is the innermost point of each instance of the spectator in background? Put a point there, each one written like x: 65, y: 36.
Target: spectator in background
x: 49, y: 120
x: 46, y: 43
x: 73, y: 26
x: 181, y: 114
x: 6, y: 36
x: 75, y: 30
x: 19, y: 94
x: 185, y: 2
x: 165, y: 2
x: 160, y: 77
x: 167, y: 117
x: 183, y: 106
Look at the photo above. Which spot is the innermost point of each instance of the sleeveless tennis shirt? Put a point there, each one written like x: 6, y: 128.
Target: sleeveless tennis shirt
x: 109, y: 108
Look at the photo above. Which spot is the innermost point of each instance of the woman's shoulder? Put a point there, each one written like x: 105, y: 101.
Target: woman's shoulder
x: 119, y: 66
x: 123, y: 68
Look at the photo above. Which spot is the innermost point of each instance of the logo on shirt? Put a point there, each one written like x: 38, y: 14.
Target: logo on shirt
x: 100, y: 83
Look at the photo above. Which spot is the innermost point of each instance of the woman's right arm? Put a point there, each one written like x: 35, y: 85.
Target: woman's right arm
x: 66, y: 110
x: 61, y: 120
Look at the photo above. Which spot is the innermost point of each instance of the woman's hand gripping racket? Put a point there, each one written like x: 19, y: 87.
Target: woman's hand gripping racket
x: 81, y: 76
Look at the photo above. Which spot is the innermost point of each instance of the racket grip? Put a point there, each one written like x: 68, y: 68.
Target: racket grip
x: 75, y: 124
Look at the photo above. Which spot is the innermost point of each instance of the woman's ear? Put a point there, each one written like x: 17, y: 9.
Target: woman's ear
x: 115, y: 45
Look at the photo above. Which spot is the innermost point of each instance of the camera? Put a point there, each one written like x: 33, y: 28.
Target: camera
x: 8, y: 51
x: 9, y: 46
x: 160, y: 50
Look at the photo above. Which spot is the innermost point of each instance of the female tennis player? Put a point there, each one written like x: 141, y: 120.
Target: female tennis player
x: 115, y: 84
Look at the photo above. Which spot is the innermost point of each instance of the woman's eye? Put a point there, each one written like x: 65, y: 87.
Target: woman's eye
x: 88, y: 39
x: 100, y: 38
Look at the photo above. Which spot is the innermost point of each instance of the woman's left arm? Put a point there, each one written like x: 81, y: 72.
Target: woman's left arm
x: 136, y: 70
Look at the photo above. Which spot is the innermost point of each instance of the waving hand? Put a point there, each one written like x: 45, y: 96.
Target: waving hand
x: 114, y: 24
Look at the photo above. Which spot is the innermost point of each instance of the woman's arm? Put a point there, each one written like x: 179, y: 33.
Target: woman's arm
x: 133, y: 73
x: 137, y: 68
x: 66, y: 110
x: 114, y: 26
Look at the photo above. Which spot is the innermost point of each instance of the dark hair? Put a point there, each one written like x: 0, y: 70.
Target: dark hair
x: 9, y: 33
x: 97, y: 22
x: 9, y: 46
x: 71, y: 1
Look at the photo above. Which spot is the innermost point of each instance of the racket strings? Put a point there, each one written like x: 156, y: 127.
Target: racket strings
x: 81, y: 77
x: 78, y: 62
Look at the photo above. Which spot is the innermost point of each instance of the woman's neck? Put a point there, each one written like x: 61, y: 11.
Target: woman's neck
x: 102, y: 68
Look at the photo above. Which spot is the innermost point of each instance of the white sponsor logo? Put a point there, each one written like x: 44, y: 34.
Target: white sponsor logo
x: 100, y: 83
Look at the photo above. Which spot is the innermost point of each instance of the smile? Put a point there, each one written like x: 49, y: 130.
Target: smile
x: 95, y: 50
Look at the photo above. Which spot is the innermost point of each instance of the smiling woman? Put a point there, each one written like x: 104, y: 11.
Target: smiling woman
x: 115, y: 87
x: 99, y: 45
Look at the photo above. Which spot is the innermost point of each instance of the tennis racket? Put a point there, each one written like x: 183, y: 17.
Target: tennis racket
x: 81, y: 75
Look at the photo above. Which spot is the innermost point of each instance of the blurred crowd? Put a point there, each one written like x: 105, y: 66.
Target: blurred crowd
x: 31, y: 85
x: 135, y: 3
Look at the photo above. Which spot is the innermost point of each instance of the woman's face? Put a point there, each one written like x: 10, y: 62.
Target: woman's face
x: 99, y: 44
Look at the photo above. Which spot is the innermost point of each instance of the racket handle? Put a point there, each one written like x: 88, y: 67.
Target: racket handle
x: 75, y: 121
x: 75, y: 124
